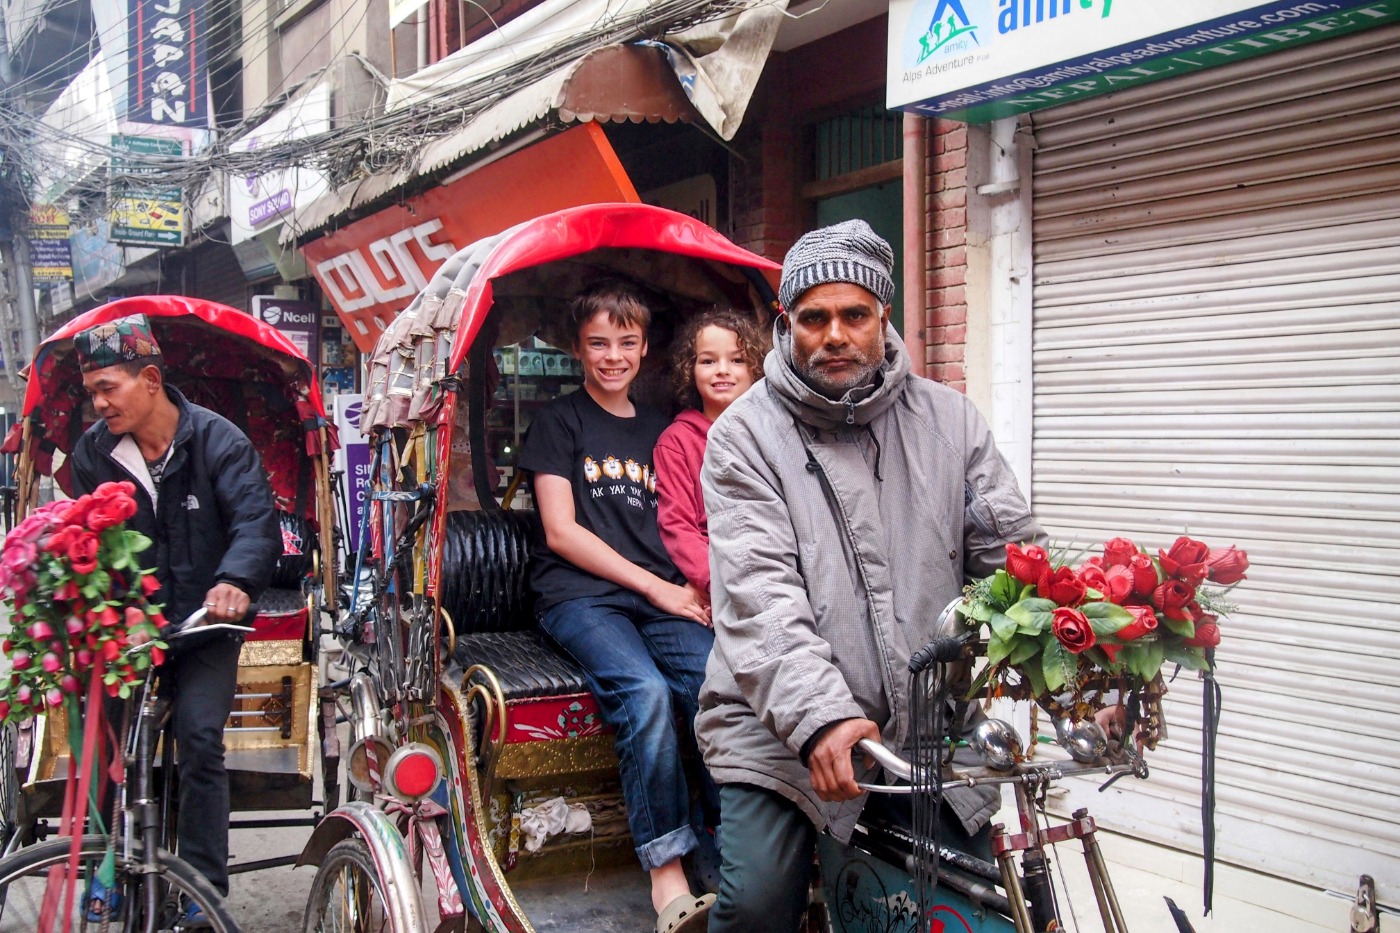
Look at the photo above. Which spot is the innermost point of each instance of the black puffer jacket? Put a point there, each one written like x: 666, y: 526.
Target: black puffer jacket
x: 214, y: 522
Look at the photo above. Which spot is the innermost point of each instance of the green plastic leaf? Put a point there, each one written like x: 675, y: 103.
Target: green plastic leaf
x: 978, y: 610
x: 998, y: 649
x: 1026, y: 648
x: 1059, y: 664
x: 1106, y: 618
x: 137, y: 542
x: 1004, y: 588
x: 1099, y: 658
x: 1002, y: 625
x: 1032, y: 616
x: 1148, y: 660
x: 125, y: 691
x: 1183, y: 627
x: 1034, y: 674
x: 1190, y: 658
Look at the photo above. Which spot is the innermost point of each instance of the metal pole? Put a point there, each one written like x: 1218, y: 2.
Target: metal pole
x: 24, y: 298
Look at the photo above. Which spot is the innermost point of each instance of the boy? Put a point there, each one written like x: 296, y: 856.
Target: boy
x: 609, y: 594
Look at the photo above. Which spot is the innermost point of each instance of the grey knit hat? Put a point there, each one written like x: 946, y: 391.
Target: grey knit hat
x: 846, y: 252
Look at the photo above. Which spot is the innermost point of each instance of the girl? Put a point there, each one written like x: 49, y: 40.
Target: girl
x: 717, y: 359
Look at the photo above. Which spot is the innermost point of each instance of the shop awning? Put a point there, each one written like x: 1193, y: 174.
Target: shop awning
x: 703, y: 74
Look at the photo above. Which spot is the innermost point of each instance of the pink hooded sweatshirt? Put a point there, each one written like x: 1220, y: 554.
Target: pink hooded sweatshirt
x: 684, y: 530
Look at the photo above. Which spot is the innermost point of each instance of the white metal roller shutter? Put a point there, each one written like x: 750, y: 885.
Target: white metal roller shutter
x: 1217, y: 349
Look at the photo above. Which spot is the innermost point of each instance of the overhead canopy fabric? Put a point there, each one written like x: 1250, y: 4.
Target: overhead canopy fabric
x: 708, y: 71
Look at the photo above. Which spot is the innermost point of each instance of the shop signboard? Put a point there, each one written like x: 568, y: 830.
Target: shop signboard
x: 167, y: 64
x: 980, y: 60
x: 371, y: 269
x: 50, y: 254
x: 258, y: 202
x: 299, y: 320
x: 146, y: 216
x: 353, y: 459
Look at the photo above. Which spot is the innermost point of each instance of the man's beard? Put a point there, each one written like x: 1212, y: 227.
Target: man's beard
x: 865, y: 364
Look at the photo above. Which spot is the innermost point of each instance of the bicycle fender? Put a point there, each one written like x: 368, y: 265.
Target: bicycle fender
x: 387, y: 847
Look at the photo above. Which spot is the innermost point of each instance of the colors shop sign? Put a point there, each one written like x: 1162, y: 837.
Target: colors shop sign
x: 980, y: 60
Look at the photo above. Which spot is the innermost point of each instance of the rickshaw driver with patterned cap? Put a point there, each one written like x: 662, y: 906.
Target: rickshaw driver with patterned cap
x: 848, y: 502
x: 204, y: 501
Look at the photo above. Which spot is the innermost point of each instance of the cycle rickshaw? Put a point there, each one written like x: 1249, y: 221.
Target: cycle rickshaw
x: 475, y: 744
x: 251, y: 373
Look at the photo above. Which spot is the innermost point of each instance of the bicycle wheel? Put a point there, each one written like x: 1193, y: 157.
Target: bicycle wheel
x: 24, y: 879
x: 347, y: 895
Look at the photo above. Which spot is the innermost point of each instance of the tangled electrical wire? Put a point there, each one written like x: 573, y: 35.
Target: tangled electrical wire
x: 385, y: 141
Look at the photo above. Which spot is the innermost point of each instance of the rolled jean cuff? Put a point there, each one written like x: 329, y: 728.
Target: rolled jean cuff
x: 667, y: 848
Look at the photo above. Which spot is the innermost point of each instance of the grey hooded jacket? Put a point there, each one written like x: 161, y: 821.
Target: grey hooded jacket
x: 838, y: 532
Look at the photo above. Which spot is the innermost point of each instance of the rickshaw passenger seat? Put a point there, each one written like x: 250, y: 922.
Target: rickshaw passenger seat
x: 486, y: 591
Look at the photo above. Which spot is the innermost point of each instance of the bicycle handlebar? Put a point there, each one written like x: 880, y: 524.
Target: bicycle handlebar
x: 194, y: 624
x: 1023, y: 772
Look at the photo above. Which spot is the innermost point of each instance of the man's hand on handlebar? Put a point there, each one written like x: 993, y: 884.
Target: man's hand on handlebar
x: 226, y: 603
x: 833, y: 775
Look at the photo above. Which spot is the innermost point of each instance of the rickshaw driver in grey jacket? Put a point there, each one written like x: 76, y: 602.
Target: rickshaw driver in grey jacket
x: 848, y: 501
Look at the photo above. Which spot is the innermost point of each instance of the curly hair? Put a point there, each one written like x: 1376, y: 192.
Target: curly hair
x: 751, y: 348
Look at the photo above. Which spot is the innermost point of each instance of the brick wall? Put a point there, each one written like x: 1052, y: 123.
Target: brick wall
x: 763, y: 183
x: 946, y: 299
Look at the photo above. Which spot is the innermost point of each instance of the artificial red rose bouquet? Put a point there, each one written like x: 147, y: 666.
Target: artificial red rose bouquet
x: 78, y: 597
x: 1051, y: 629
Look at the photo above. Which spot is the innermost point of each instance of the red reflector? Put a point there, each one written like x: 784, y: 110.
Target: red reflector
x: 415, y: 774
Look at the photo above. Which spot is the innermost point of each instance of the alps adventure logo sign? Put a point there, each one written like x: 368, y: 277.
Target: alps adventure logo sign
x: 948, y: 23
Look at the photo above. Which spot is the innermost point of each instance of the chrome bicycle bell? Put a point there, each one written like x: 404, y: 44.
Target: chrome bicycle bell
x: 1085, y: 740
x: 998, y: 744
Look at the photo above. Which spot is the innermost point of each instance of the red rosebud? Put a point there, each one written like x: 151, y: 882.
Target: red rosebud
x: 1062, y: 586
x: 158, y: 618
x: 21, y: 661
x: 109, y: 617
x: 113, y: 689
x: 51, y: 663
x: 74, y: 625
x: 1144, y: 574
x: 1226, y: 566
x: 1094, y: 577
x: 40, y: 631
x: 4, y: 710
x: 110, y: 650
x: 1186, y: 560
x: 134, y: 616
x: 1172, y: 597
x: 54, y: 696
x: 1207, y: 635
x: 82, y: 552
x: 157, y: 656
x: 1120, y: 584
x: 1119, y: 551
x: 149, y: 584
x: 1026, y: 566
x: 24, y: 695
x: 69, y: 684
x: 104, y: 515
x: 76, y: 513
x: 1144, y: 621
x: 1072, y: 629
x: 7, y: 646
x: 67, y: 592
x: 82, y: 659
x: 1110, y: 650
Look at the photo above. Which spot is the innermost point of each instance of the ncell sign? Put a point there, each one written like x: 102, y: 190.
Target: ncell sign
x: 979, y: 60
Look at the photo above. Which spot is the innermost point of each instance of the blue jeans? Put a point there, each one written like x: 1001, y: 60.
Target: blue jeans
x: 645, y: 668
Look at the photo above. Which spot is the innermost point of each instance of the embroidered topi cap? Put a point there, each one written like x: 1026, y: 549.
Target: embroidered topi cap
x: 125, y: 340
x: 846, y: 252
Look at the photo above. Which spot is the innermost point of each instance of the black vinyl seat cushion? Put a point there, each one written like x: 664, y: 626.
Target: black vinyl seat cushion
x: 527, y: 664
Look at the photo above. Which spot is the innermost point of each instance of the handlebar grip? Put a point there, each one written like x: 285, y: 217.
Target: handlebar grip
x: 942, y: 650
